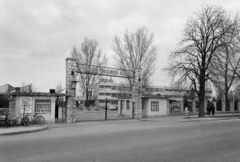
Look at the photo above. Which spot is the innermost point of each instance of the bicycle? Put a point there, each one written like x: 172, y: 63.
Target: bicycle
x: 25, y: 121
x: 37, y: 119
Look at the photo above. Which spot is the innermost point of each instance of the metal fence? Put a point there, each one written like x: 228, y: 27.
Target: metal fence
x: 91, y: 113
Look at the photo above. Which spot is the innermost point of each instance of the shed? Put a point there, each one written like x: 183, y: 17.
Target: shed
x: 41, y: 103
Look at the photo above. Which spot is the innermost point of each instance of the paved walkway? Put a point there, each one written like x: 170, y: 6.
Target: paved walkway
x: 35, y: 128
x: 22, y: 129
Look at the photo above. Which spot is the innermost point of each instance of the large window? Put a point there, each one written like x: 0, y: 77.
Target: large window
x: 154, y: 106
x: 43, y: 106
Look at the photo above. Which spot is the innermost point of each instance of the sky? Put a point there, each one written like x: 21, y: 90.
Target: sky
x: 36, y: 36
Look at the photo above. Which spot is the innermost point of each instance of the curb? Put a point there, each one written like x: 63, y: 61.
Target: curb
x: 89, y: 123
x: 25, y: 131
x: 193, y: 120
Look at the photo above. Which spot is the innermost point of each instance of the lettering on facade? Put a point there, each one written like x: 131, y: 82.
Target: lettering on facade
x: 86, y: 69
x: 26, y: 103
x: 105, y: 80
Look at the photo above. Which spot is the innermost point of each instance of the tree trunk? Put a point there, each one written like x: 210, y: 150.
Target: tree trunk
x: 201, y: 107
x: 86, y: 102
x: 201, y: 94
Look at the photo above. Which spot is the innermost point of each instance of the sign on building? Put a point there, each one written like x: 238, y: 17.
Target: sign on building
x: 106, y: 71
x: 26, y: 103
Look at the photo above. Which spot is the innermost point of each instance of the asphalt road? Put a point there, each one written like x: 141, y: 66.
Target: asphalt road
x: 217, y: 141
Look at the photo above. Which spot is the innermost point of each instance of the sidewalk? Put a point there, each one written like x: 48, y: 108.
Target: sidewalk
x: 12, y: 130
x: 192, y: 118
x: 35, y: 128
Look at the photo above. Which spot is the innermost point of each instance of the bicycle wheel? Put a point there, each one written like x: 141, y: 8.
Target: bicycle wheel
x: 40, y: 120
x: 26, y: 121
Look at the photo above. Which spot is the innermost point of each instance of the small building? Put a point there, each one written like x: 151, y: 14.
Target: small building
x: 154, y: 106
x: 31, y: 103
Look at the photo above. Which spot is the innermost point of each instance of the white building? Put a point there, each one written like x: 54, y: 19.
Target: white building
x: 110, y: 91
x: 156, y: 100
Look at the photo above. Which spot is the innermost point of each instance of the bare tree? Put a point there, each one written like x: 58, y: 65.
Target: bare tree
x: 27, y: 87
x: 225, y: 67
x: 59, y: 88
x: 136, y: 50
x: 33, y: 87
x: 90, y: 55
x: 202, y: 38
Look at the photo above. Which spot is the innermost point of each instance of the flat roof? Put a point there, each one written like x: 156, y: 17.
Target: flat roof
x: 37, y: 94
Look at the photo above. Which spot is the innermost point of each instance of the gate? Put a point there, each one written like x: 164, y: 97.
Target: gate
x: 82, y: 113
x: 91, y: 113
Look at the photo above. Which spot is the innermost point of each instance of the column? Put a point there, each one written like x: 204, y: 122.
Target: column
x: 168, y: 107
x: 181, y: 107
x: 231, y: 106
x: 119, y: 107
x: 205, y: 105
x: 137, y: 94
x: 223, y: 106
x: 70, y: 92
x: 194, y: 107
x: 238, y: 104
x: 215, y: 105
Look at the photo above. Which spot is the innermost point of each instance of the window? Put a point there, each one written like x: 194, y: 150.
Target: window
x: 154, y: 106
x: 43, y: 106
x: 114, y: 88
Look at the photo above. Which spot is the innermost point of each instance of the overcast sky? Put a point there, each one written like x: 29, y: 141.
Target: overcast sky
x: 36, y: 36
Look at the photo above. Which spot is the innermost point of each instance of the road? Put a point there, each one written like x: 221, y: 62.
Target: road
x: 138, y: 141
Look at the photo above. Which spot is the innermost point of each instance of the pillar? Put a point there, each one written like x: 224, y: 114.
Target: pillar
x: 205, y: 105
x: 168, y: 107
x: 70, y: 92
x: 238, y: 104
x: 181, y: 107
x: 223, y: 106
x: 137, y: 85
x: 215, y: 105
x: 12, y: 108
x: 194, y: 107
x: 231, y: 106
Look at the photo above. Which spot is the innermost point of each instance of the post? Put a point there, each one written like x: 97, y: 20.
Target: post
x: 71, y: 92
x: 133, y: 107
x: 194, y: 107
x: 181, y: 107
x: 233, y: 104
x: 137, y: 85
x: 106, y: 109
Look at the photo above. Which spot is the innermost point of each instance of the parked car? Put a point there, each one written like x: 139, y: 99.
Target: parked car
x: 112, y: 107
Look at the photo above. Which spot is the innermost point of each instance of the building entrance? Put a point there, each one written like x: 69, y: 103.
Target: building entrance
x: 128, y: 109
